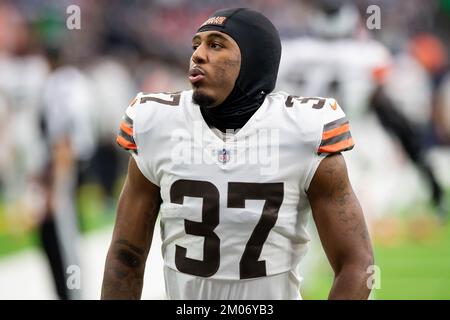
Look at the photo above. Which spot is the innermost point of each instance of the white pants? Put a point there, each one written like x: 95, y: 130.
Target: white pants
x: 181, y: 286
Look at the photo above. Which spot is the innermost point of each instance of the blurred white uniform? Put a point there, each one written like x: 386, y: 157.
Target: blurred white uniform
x: 68, y: 109
x: 234, y: 210
x: 346, y: 69
x: 22, y: 152
x: 113, y: 89
x: 350, y: 69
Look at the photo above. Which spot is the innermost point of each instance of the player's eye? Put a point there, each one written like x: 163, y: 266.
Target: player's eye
x: 194, y: 47
x: 216, y: 45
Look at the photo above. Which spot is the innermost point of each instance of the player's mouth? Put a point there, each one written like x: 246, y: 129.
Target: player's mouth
x: 195, y: 75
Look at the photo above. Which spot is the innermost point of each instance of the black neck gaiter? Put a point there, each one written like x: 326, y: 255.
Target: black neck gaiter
x: 260, y: 47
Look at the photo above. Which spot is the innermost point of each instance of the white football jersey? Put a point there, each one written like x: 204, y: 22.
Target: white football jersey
x: 234, y: 209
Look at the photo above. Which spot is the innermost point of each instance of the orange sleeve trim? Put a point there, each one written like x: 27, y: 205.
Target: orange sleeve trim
x: 335, y: 132
x: 345, y: 144
x: 125, y: 144
x: 380, y: 73
x: 334, y: 105
x: 126, y: 128
x: 133, y: 102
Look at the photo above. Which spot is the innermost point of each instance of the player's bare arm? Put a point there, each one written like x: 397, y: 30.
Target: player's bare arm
x: 342, y: 229
x: 136, y: 216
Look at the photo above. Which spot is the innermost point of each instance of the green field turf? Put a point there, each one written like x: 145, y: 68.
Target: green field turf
x: 409, y: 269
x: 92, y: 216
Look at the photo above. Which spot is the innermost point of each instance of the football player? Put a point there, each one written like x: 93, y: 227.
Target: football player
x: 68, y: 131
x: 233, y: 170
x: 340, y: 59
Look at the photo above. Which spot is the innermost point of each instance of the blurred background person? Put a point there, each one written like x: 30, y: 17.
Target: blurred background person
x: 111, y: 87
x: 68, y: 125
x: 338, y: 58
x: 22, y: 77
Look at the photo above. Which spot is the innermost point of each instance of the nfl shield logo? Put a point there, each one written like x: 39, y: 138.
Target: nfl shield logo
x: 223, y: 155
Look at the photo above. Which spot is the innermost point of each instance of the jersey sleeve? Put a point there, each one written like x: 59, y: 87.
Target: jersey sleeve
x: 126, y: 138
x: 336, y: 136
x: 129, y: 137
x: 331, y: 135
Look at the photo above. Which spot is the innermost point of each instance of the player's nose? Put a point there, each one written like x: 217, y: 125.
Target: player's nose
x: 199, y: 56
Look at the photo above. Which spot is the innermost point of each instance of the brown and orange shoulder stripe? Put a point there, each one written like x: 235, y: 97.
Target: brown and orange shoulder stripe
x: 336, y: 137
x: 125, y: 137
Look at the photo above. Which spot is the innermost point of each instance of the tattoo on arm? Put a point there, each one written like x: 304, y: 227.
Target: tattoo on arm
x: 342, y: 229
x: 124, y: 271
x: 344, y: 201
x: 131, y: 255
